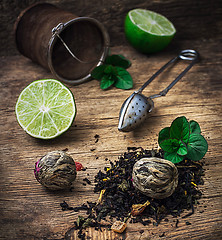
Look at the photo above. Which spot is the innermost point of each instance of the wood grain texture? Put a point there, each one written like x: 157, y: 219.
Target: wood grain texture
x: 28, y: 211
x: 193, y: 19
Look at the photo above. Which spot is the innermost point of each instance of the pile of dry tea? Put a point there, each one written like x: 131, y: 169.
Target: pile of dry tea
x: 119, y: 200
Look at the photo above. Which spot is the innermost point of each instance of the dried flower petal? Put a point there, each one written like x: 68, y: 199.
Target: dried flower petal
x: 101, y: 195
x: 139, y: 208
x: 118, y: 226
x: 79, y: 166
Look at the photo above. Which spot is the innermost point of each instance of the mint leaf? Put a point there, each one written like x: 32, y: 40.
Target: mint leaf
x: 170, y: 145
x: 109, y: 69
x: 182, y: 149
x: 164, y: 134
x: 194, y: 127
x: 123, y: 79
x: 113, y: 72
x: 98, y: 72
x: 173, y: 157
x: 180, y: 129
x: 118, y: 60
x: 107, y: 81
x: 197, y: 147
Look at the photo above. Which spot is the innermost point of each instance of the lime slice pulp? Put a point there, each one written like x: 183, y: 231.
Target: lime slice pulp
x: 45, y: 108
x: 148, y: 31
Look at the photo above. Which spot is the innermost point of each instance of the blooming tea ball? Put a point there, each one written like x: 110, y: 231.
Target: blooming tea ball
x: 155, y: 177
x: 56, y: 170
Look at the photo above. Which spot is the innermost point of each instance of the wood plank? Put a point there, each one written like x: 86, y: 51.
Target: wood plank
x: 192, y: 19
x: 28, y: 211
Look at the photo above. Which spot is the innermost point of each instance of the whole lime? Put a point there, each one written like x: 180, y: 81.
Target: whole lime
x: 147, y: 31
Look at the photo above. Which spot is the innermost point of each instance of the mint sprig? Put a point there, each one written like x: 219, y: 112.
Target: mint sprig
x: 182, y: 140
x: 113, y: 72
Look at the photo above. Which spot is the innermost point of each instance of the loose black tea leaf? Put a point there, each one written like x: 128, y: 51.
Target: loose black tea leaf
x: 65, y: 206
x: 118, y: 197
x: 87, y: 180
x: 97, y: 138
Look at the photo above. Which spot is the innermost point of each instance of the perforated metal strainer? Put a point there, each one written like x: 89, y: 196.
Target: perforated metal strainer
x: 136, y: 107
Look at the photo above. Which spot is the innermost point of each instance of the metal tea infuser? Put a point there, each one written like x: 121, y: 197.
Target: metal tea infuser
x: 136, y: 107
x: 62, y: 42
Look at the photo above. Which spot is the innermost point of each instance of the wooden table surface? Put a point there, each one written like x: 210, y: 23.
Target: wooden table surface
x: 29, y: 211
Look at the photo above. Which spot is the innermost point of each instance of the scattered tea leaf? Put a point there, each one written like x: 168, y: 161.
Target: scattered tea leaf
x: 116, y: 204
x: 124, y: 185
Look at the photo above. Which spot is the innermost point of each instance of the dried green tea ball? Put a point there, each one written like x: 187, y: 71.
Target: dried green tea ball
x: 56, y: 170
x: 155, y: 177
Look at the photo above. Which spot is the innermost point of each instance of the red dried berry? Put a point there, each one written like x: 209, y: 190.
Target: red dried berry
x: 79, y: 166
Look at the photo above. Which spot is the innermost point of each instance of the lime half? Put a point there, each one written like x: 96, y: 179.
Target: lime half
x: 45, y: 108
x: 148, y: 31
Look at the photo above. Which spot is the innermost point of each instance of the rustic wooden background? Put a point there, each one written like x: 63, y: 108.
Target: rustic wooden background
x: 193, y: 19
x: 28, y: 211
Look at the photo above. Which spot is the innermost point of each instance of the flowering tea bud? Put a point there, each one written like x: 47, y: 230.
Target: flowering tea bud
x: 155, y: 177
x: 56, y: 170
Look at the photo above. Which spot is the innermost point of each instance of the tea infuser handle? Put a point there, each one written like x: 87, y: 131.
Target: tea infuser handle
x: 190, y: 55
x: 157, y: 73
